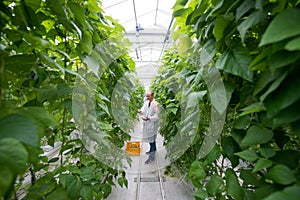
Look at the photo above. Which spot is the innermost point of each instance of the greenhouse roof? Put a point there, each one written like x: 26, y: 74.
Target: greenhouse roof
x: 147, y: 24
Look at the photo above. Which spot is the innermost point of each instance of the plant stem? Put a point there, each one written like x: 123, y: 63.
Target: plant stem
x: 105, y: 178
x: 63, y: 135
x: 32, y: 176
x: 2, y: 83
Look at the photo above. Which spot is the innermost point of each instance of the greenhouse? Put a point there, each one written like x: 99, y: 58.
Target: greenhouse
x: 137, y: 99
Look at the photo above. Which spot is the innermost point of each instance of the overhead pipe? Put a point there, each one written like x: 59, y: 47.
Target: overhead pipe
x: 166, y: 37
x: 137, y: 26
x: 156, y: 12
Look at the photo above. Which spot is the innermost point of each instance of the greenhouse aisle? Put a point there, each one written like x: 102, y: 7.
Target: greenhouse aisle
x: 148, y: 181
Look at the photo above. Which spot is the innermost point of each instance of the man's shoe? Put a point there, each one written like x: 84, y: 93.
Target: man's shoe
x: 148, y: 161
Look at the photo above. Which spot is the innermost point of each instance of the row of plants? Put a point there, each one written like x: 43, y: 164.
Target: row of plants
x: 252, y: 48
x: 59, y: 64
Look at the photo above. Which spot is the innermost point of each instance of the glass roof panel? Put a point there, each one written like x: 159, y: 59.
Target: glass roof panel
x: 147, y: 24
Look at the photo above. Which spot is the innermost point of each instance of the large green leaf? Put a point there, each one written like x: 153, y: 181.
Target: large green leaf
x: 74, y: 188
x: 230, y: 147
x: 92, y: 63
x: 86, y: 192
x: 264, y: 80
x: 43, y: 118
x: 49, y: 94
x: 281, y: 174
x: 257, y: 135
x: 287, y: 94
x: 233, y: 187
x: 282, y: 58
x: 50, y: 62
x: 208, y: 52
x: 181, y: 2
x: 202, y: 7
x: 42, y: 187
x: 289, y: 193
x: 213, y: 155
x: 260, y: 61
x: 249, y: 178
x: 254, y: 18
x: 229, y: 87
x: 284, y: 25
x: 248, y: 155
x: 57, y: 7
x: 215, y: 184
x: 237, y: 62
x: 94, y: 6
x: 244, y: 8
x: 185, y: 44
x: 262, y: 163
x: 20, y: 63
x: 34, y: 4
x: 6, y: 179
x: 61, y: 194
x: 86, y: 44
x: 216, y: 90
x: 21, y: 18
x: 242, y: 122
x: 220, y: 26
x: 267, y: 151
x: 274, y: 85
x: 179, y: 11
x: 196, y: 173
x: 79, y: 13
x: 106, y: 188
x: 182, y: 14
x: 34, y: 156
x: 238, y: 135
x: 287, y: 115
x: 121, y: 181
x: 194, y: 17
x: 293, y: 45
x: 200, y: 193
x: 248, y: 194
x: 21, y: 128
x: 13, y: 160
x: 217, y: 5
x: 253, y: 108
x: 104, y: 107
x: 63, y: 89
x: 263, y: 190
x: 72, y: 184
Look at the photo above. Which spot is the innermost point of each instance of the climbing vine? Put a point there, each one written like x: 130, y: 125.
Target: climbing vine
x: 49, y: 48
x: 254, y: 44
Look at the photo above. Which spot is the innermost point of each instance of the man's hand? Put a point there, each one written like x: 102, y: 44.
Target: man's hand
x: 146, y: 118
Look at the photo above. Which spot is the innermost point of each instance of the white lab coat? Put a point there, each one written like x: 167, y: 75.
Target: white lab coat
x: 150, y: 127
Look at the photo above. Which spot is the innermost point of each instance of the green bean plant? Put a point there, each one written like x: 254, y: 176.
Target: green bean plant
x: 254, y: 44
x: 50, y: 50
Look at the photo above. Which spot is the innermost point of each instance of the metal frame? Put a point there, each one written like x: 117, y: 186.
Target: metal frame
x: 148, y: 43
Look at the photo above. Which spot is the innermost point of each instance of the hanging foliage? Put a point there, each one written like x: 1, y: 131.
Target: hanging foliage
x: 254, y: 45
x: 54, y: 54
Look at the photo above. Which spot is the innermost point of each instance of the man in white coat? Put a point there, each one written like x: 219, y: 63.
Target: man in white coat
x: 149, y: 113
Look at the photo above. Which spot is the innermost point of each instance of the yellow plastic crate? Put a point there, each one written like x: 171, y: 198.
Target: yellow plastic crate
x: 133, y: 148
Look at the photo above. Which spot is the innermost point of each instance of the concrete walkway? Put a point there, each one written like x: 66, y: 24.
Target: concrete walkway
x: 148, y: 181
